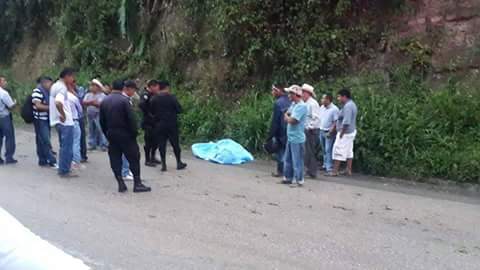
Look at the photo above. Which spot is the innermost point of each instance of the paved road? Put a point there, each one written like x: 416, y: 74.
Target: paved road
x: 216, y: 217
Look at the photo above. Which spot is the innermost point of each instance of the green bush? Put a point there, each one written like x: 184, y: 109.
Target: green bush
x: 405, y: 129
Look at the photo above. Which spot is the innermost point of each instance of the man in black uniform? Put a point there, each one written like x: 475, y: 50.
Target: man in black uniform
x: 165, y: 109
x: 119, y: 126
x: 148, y: 123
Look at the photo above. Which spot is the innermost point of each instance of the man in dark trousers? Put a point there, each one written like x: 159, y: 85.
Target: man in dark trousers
x: 165, y: 109
x: 119, y: 126
x: 148, y: 124
x: 278, y: 128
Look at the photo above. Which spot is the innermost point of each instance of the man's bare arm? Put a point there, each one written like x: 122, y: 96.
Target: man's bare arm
x: 59, y: 106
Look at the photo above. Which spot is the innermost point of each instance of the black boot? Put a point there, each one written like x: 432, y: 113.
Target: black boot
x: 139, y: 187
x: 181, y: 165
x: 121, y: 184
x: 148, y: 158
x: 153, y: 158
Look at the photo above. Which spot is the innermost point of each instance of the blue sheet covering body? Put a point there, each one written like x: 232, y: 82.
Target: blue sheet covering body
x: 225, y: 151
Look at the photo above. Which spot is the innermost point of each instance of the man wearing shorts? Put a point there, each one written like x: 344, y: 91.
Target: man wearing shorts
x: 346, y: 131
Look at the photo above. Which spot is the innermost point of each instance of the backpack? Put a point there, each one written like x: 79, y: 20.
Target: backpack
x: 27, y: 110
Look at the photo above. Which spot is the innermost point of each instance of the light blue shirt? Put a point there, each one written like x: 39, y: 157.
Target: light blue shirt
x: 328, y: 116
x: 348, y: 117
x: 6, y: 103
x: 296, y: 132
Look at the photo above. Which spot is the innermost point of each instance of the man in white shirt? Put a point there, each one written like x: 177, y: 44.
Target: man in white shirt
x: 328, y: 118
x: 61, y: 118
x: 6, y: 124
x: 312, y: 131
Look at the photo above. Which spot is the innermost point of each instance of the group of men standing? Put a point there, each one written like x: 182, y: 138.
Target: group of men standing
x: 301, y: 128
x: 111, y: 121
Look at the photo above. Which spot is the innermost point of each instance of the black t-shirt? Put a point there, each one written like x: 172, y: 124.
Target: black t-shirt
x: 165, y: 109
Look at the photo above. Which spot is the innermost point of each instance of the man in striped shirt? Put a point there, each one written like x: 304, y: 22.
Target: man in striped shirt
x: 40, y: 103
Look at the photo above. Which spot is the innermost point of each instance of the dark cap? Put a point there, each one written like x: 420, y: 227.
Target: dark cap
x: 163, y: 84
x: 118, y: 85
x: 151, y: 83
x: 131, y: 84
x: 43, y: 79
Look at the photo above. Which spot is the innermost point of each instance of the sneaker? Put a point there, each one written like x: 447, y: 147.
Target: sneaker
x: 285, y: 181
x: 75, y: 166
x: 53, y: 166
x: 293, y: 184
x: 85, y: 160
x: 301, y: 183
x: 68, y: 175
x: 104, y: 149
x: 276, y: 175
x: 11, y: 162
x: 331, y: 174
x: 128, y: 177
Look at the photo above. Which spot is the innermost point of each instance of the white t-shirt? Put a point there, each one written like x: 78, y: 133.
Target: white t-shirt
x: 59, y: 93
x: 6, y: 103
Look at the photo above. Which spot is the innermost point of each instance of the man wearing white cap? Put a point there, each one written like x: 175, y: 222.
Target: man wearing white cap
x: 92, y: 100
x: 312, y: 130
x: 295, y: 117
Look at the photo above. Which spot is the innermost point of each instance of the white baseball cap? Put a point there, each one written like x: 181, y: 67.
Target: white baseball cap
x: 308, y: 88
x: 294, y: 89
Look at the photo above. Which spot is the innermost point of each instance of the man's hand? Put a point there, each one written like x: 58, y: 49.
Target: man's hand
x: 62, y: 118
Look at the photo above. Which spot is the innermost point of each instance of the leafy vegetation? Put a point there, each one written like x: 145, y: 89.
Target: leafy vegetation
x: 405, y: 128
x: 17, y: 15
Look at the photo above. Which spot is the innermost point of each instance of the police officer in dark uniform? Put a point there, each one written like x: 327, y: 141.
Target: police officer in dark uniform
x: 148, y: 123
x: 165, y: 109
x: 118, y: 123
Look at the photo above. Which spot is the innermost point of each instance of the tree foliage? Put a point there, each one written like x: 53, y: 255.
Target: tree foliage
x: 290, y: 39
x: 15, y: 16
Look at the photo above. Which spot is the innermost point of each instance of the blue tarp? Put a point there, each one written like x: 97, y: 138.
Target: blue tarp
x: 225, y: 151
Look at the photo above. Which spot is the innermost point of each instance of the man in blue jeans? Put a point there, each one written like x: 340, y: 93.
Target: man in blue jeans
x: 294, y: 154
x: 6, y: 124
x: 61, y: 118
x: 40, y: 101
x: 328, y: 118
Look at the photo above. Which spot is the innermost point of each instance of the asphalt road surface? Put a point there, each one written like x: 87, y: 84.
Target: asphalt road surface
x: 225, y: 217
